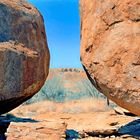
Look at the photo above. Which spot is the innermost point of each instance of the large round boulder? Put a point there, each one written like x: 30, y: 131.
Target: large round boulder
x: 110, y: 49
x: 24, y: 54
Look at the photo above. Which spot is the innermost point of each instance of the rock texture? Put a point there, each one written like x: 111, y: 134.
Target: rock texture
x: 69, y: 120
x: 110, y: 49
x: 24, y: 55
x: 50, y: 130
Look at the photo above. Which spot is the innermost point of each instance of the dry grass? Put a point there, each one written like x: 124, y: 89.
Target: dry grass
x: 84, y: 106
x: 70, y: 107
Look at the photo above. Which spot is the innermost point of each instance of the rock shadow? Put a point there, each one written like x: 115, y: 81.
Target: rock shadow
x: 72, y: 134
x: 5, y: 121
x: 12, y: 118
x: 132, y: 129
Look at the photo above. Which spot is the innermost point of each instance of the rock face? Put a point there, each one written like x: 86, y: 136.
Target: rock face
x: 110, y: 49
x: 36, y: 131
x: 24, y: 55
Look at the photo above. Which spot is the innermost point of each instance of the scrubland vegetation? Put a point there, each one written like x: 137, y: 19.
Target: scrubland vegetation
x: 54, y: 90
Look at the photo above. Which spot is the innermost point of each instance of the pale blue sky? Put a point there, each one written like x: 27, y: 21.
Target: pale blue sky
x: 62, y: 23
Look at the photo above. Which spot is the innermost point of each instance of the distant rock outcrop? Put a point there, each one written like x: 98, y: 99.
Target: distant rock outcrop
x: 24, y: 55
x: 110, y: 49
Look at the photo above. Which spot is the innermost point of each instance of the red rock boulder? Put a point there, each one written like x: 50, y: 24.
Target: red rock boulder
x: 110, y: 49
x: 24, y: 55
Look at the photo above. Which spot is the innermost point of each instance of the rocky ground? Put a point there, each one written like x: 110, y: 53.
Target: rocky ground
x: 88, y: 119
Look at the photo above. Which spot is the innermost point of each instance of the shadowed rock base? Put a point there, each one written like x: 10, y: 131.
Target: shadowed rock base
x: 7, y: 105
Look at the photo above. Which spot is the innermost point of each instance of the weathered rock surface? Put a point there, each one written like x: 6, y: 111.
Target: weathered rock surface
x: 78, y: 124
x: 24, y: 55
x: 50, y: 130
x: 110, y: 49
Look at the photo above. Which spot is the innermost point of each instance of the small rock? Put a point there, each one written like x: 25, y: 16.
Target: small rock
x: 112, y: 136
x: 36, y: 131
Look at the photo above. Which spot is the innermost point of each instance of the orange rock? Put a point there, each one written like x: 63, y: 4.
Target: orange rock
x: 110, y: 49
x: 24, y: 55
x: 36, y: 131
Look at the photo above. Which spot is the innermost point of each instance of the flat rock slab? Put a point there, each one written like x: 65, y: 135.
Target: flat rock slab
x: 50, y: 130
x: 89, y: 125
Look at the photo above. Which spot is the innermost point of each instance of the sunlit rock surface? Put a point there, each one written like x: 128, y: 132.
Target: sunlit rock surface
x: 110, y: 49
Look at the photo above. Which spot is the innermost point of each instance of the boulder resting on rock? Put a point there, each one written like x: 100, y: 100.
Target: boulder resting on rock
x: 110, y: 49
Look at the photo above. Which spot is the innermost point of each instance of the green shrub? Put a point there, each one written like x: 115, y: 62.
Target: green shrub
x: 54, y: 90
x: 86, y: 88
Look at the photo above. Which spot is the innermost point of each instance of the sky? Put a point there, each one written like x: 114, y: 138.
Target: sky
x: 62, y: 24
